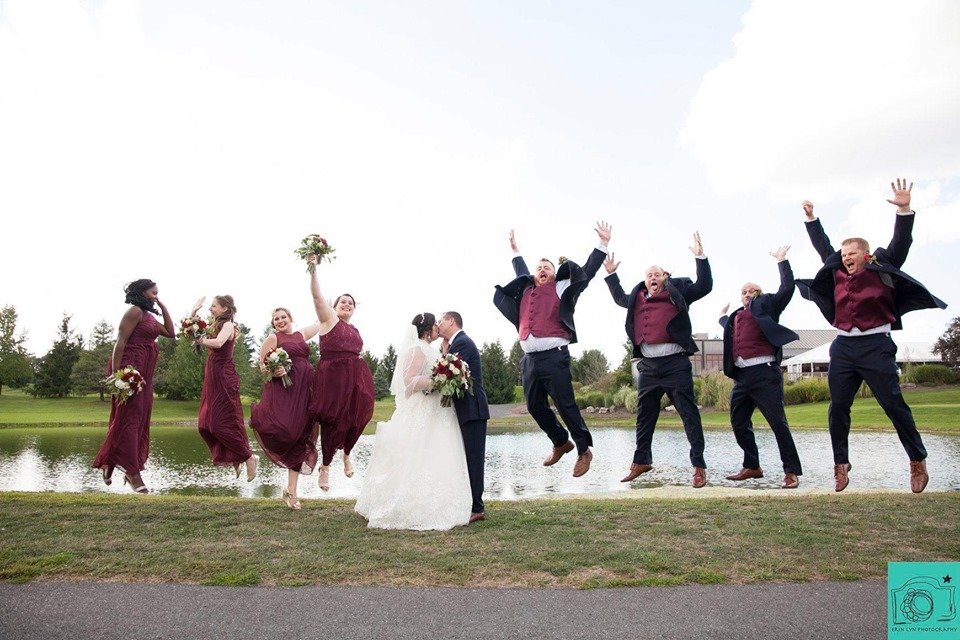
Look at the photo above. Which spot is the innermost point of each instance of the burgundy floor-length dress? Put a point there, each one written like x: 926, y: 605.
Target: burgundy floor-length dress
x: 221, y: 416
x: 281, y: 420
x: 342, y: 390
x: 127, y: 444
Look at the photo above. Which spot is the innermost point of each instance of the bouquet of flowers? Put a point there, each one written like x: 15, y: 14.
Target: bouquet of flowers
x: 193, y: 328
x: 314, y: 245
x: 451, y: 377
x: 124, y: 383
x: 279, y: 358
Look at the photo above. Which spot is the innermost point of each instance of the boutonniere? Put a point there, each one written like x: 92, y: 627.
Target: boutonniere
x: 872, y: 259
x: 562, y: 259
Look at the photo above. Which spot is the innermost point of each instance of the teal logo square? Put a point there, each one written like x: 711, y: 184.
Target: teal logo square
x: 922, y: 600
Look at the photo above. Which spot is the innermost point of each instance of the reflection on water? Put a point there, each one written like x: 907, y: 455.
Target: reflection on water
x: 59, y: 459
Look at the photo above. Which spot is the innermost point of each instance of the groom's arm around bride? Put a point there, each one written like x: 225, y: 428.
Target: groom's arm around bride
x: 472, y: 410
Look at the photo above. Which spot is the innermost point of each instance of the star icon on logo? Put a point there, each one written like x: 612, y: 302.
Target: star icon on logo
x: 947, y: 579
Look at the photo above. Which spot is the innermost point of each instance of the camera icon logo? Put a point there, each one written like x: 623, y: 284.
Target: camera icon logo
x: 923, y: 599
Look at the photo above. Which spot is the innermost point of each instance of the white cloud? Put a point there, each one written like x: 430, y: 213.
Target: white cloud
x: 831, y: 97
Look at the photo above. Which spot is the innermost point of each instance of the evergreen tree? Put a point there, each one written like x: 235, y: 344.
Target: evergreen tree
x: 91, y: 368
x: 623, y: 375
x: 16, y: 370
x: 182, y: 375
x: 251, y: 381
x: 948, y: 345
x: 516, y: 355
x: 372, y: 361
x: 167, y: 348
x: 381, y: 382
x: 498, y: 379
x: 592, y: 366
x: 53, y: 372
x: 389, y: 361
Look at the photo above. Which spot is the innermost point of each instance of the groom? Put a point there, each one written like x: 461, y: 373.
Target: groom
x: 472, y: 411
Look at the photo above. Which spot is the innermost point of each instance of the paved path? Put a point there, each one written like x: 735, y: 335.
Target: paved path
x: 91, y: 611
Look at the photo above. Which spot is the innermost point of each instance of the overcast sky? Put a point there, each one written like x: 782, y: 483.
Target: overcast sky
x: 195, y: 143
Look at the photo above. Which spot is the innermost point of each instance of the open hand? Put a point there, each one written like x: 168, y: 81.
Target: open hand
x: 808, y: 209
x: 604, y: 230
x: 513, y: 242
x: 609, y: 263
x: 197, y: 305
x: 901, y: 194
x: 781, y: 253
x: 697, y: 247
x: 726, y: 308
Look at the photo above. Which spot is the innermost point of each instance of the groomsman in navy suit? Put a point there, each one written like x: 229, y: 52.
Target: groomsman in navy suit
x: 658, y: 325
x: 472, y: 410
x: 541, y: 307
x: 865, y: 296
x: 752, y: 350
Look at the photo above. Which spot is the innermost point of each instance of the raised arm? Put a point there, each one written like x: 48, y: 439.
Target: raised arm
x: 784, y: 294
x: 325, y: 313
x: 903, y: 228
x: 129, y: 322
x: 519, y: 265
x: 598, y: 255
x: 310, y: 332
x: 821, y: 243
x: 704, y: 283
x: 613, y: 281
x: 724, y: 318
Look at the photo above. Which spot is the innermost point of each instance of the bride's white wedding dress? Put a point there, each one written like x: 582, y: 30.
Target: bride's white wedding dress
x: 417, y: 476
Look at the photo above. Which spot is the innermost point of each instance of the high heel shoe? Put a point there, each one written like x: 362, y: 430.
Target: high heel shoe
x: 107, y: 472
x: 347, y: 466
x: 136, y: 483
x: 251, y: 474
x: 324, y: 479
x: 292, y: 502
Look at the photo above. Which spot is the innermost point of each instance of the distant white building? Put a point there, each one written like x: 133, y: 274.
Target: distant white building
x: 815, y: 362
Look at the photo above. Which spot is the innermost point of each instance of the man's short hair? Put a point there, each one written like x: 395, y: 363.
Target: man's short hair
x: 860, y: 242
x: 456, y: 317
x: 550, y: 261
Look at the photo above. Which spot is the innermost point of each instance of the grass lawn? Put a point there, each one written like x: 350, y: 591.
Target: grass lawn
x: 592, y: 543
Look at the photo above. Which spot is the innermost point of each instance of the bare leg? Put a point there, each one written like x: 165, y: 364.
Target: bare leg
x: 347, y: 465
x: 324, y: 479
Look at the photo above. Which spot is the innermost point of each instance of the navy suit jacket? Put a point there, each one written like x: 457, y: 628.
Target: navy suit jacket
x: 472, y: 406
x: 507, y: 298
x: 682, y: 291
x: 766, y: 309
x: 908, y: 294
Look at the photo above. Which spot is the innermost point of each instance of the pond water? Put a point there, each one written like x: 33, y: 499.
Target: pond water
x: 55, y: 459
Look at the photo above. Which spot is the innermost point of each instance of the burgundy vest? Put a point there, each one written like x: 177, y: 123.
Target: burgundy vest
x: 540, y: 313
x: 861, y: 300
x: 748, y: 339
x: 651, y: 316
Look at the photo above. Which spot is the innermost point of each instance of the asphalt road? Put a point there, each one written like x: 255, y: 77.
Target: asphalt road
x: 89, y: 611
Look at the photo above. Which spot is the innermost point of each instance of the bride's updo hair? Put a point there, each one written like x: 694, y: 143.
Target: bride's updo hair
x: 424, y: 323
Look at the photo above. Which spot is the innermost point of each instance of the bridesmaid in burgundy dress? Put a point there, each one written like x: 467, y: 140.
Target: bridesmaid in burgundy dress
x: 128, y: 437
x: 281, y: 420
x: 343, y: 397
x: 221, y: 416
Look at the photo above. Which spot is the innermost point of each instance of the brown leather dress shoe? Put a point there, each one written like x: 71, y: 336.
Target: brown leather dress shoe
x: 636, y: 470
x: 840, y: 477
x: 476, y: 517
x: 745, y: 474
x: 699, y: 477
x: 918, y: 476
x: 583, y: 463
x: 557, y: 453
x: 790, y: 481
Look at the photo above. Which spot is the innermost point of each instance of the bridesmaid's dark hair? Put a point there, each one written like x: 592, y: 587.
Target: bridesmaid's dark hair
x: 134, y: 291
x: 345, y: 295
x: 231, y: 311
x: 424, y: 323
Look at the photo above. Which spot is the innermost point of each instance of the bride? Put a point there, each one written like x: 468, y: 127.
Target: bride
x: 417, y: 476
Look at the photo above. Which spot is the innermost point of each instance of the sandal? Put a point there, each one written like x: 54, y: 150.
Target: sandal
x: 135, y: 482
x: 324, y: 479
x: 292, y: 502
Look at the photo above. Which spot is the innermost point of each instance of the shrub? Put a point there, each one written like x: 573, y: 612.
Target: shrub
x: 630, y: 401
x: 518, y: 394
x: 929, y: 374
x: 590, y: 399
x: 715, y: 391
x: 622, y: 394
x: 806, y: 390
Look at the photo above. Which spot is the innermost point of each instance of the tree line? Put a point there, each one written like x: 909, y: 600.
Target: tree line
x: 77, y: 366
